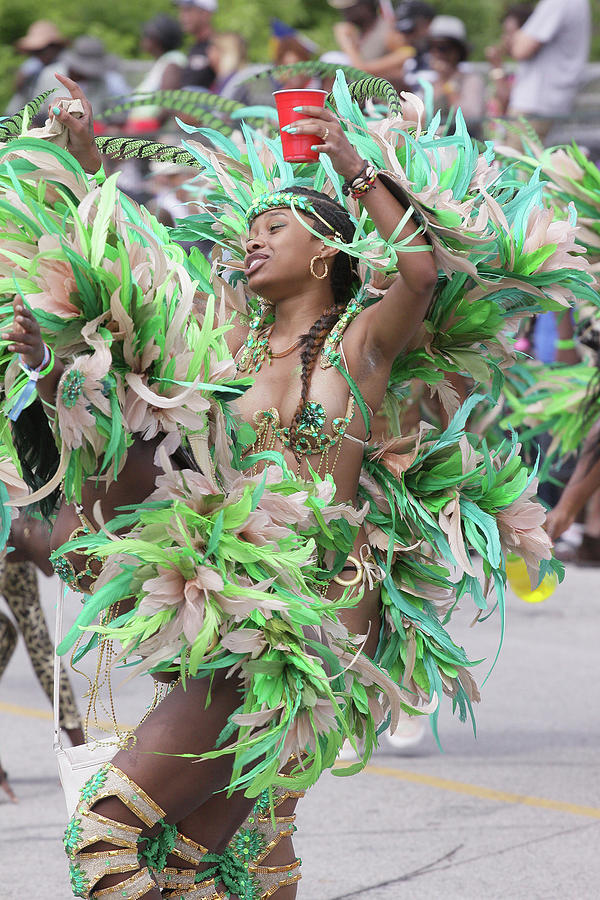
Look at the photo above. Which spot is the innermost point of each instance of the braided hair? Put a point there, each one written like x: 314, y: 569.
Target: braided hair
x: 344, y: 281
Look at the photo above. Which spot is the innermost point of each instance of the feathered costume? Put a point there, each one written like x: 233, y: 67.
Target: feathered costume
x: 562, y: 400
x: 229, y: 558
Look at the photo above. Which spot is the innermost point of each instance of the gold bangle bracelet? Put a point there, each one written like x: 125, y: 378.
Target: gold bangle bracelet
x: 356, y: 579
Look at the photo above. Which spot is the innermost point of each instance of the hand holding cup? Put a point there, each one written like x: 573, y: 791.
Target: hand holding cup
x: 331, y: 138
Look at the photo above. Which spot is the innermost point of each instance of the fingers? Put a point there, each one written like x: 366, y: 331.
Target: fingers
x: 21, y: 343
x: 25, y: 317
x: 75, y: 124
x: 320, y: 127
x: 555, y: 526
x: 76, y: 94
x: 25, y: 333
x: 72, y: 86
x: 316, y: 112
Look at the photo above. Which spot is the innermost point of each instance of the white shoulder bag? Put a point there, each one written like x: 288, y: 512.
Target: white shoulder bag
x: 76, y: 765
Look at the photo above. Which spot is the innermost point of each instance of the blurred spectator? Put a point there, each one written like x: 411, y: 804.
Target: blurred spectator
x: 171, y: 197
x: 454, y: 84
x: 335, y: 58
x: 196, y: 19
x: 390, y: 65
x: 363, y: 25
x: 42, y: 43
x: 241, y: 84
x: 502, y: 80
x: 228, y: 56
x: 413, y: 19
x: 553, y: 48
x: 405, y: 45
x: 161, y: 38
x: 292, y: 47
x: 88, y: 63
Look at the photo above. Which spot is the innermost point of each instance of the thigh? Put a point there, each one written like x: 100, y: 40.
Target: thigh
x: 215, y: 822
x: 182, y: 724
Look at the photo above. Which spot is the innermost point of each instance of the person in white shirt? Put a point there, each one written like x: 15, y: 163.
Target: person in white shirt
x: 552, y: 48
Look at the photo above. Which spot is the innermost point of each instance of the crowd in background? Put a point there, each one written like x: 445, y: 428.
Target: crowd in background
x: 535, y: 69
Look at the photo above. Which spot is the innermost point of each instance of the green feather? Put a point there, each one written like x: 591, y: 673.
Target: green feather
x: 11, y: 127
x: 134, y: 148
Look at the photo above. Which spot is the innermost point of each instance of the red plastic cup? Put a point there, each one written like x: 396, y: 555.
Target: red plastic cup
x: 296, y: 147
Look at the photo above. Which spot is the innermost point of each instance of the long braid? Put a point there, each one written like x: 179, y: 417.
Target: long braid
x: 312, y: 345
x: 343, y: 280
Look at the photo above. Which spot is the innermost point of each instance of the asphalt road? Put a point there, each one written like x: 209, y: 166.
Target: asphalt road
x: 512, y: 814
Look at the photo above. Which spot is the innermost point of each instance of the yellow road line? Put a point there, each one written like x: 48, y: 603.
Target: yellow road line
x: 29, y: 712
x: 484, y: 793
x: 443, y: 784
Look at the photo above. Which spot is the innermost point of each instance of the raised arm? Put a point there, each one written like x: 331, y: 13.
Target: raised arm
x: 393, y: 321
x: 390, y: 65
x: 81, y: 130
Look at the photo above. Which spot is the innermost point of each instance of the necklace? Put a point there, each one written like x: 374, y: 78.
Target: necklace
x: 282, y: 353
x: 257, y: 348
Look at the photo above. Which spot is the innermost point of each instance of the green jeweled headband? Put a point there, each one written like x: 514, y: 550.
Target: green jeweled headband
x: 285, y: 199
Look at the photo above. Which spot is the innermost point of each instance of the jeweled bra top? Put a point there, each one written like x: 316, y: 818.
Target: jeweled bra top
x: 311, y: 439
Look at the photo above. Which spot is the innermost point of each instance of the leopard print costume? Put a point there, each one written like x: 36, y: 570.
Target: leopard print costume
x: 19, y: 585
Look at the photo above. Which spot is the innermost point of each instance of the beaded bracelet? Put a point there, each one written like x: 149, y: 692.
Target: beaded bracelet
x: 25, y: 394
x: 347, y: 185
x: 44, y: 368
x: 565, y: 344
x: 362, y: 182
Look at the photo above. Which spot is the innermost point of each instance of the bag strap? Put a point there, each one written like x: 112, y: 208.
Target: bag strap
x: 60, y: 605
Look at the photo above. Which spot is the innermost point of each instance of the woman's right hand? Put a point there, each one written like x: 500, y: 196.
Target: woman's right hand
x: 81, y: 129
x: 26, y: 337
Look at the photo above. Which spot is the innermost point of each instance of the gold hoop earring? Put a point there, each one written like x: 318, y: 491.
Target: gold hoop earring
x: 312, y: 268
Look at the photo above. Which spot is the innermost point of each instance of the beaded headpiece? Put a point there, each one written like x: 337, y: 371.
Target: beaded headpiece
x: 289, y: 200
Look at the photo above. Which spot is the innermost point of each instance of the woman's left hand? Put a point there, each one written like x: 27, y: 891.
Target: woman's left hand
x: 325, y: 124
x: 81, y: 130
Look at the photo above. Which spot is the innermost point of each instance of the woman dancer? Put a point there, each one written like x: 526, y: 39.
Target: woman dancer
x: 242, y: 564
x: 309, y: 285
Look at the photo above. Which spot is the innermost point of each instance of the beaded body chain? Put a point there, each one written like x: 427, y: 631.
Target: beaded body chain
x: 311, y: 439
x: 256, y: 347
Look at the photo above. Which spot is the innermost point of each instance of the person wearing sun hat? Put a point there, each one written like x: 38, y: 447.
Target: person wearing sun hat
x: 86, y: 61
x: 42, y: 44
x: 412, y: 21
